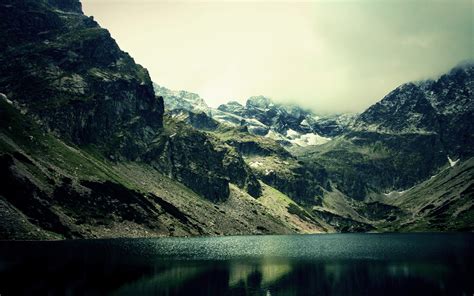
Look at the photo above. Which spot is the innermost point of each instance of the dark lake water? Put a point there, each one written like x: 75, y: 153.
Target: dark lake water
x: 332, y: 264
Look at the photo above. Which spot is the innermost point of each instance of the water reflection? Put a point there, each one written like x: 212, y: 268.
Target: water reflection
x: 165, y: 282
x: 308, y: 265
x: 268, y: 272
x: 298, y: 278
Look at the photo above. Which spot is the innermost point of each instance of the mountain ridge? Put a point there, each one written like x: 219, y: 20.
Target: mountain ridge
x: 289, y: 124
x: 89, y: 148
x: 398, y: 159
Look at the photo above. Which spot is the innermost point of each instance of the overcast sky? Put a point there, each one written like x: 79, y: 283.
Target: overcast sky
x: 331, y: 56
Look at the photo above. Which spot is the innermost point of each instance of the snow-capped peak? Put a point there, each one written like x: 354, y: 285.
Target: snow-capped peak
x: 181, y: 100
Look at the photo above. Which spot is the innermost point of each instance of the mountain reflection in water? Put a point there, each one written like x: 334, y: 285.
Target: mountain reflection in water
x: 343, y: 264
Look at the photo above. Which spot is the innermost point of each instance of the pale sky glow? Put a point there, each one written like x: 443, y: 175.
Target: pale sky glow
x: 331, y: 56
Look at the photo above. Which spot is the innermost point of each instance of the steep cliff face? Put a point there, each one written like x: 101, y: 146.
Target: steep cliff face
x: 61, y: 66
x: 86, y: 149
x: 292, y: 125
x: 69, y: 74
x: 52, y: 190
x: 200, y: 162
x: 247, y: 157
x: 443, y: 107
x: 405, y: 138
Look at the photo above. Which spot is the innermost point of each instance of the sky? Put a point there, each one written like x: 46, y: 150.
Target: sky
x: 329, y: 56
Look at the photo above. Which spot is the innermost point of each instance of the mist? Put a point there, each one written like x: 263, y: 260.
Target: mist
x: 331, y: 57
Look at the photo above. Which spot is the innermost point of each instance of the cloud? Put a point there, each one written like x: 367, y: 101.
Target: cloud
x: 333, y: 56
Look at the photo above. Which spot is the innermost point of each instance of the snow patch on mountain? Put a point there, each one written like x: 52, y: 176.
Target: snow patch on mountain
x: 181, y: 100
x: 275, y: 136
x: 288, y: 124
x: 304, y: 123
x: 310, y: 139
x: 292, y: 134
x: 256, y: 164
x: 452, y: 162
x: 394, y: 194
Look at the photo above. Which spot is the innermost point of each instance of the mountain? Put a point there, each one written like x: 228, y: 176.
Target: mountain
x: 61, y: 67
x: 442, y: 107
x: 396, y: 144
x: 404, y: 139
x: 181, y: 100
x: 443, y: 202
x: 78, y: 84
x: 90, y: 148
x: 267, y: 159
x: 288, y: 119
x: 87, y: 151
x: 288, y: 124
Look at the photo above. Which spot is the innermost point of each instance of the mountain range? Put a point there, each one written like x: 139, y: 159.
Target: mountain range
x: 90, y: 147
x: 288, y: 124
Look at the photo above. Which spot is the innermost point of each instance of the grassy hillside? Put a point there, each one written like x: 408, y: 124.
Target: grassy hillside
x: 443, y: 202
x: 58, y: 190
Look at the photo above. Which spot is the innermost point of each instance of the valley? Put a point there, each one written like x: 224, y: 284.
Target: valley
x: 90, y: 147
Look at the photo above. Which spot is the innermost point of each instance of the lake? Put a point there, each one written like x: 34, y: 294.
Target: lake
x: 327, y: 264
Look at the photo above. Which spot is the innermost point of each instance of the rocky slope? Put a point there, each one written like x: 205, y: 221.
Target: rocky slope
x: 396, y: 144
x: 195, y: 160
x: 288, y: 124
x: 87, y: 152
x: 405, y: 138
x: 68, y: 72
x: 55, y: 189
x: 443, y: 202
x: 182, y: 100
x: 72, y: 77
x: 289, y: 120
x: 265, y: 157
x: 443, y: 107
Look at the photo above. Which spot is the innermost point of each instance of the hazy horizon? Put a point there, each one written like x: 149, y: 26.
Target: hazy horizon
x: 327, y: 56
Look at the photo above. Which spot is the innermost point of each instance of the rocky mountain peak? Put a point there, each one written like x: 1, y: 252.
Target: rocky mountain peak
x: 72, y: 75
x: 288, y: 124
x: 424, y: 106
x: 76, y: 83
x: 259, y: 102
x: 181, y: 100
x: 233, y: 107
x: 86, y: 147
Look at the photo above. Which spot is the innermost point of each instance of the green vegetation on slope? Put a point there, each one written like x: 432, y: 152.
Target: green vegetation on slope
x: 58, y: 190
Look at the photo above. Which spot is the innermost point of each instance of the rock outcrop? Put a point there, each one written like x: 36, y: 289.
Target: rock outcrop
x: 405, y: 138
x: 87, y: 150
x: 70, y: 75
x: 443, y: 107
x: 62, y: 67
